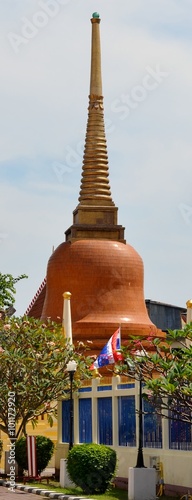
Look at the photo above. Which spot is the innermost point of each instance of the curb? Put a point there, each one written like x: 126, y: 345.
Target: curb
x: 42, y: 492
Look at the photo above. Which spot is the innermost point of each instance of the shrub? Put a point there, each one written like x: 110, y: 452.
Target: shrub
x: 92, y: 467
x: 44, y: 450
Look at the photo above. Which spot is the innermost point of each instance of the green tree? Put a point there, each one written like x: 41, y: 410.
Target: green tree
x: 166, y: 369
x: 33, y: 376
x: 7, y: 289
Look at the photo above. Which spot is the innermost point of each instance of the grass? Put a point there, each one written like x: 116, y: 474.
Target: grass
x: 112, y: 494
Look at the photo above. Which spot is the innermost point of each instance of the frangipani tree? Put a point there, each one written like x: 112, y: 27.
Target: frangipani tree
x: 166, y: 370
x: 8, y: 290
x: 33, y: 359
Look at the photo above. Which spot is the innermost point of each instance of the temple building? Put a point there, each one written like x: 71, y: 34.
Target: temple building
x: 104, y: 275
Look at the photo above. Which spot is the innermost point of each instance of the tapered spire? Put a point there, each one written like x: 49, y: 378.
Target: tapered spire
x: 95, y: 78
x: 96, y: 215
x: 95, y: 173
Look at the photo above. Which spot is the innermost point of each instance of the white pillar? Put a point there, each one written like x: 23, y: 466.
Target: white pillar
x: 94, y: 411
x: 189, y: 311
x: 115, y: 382
x: 142, y: 483
x: 64, y: 480
x: 67, y: 317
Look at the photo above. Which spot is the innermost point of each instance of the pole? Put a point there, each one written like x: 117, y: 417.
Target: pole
x: 140, y: 461
x: 71, y: 373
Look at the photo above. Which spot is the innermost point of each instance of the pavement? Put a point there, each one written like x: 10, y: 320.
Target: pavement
x: 21, y: 492
x: 15, y: 495
x: 24, y: 492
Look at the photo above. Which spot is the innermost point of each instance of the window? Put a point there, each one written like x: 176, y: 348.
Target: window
x: 126, y: 420
x: 65, y: 420
x: 85, y: 389
x: 85, y: 421
x: 129, y: 385
x: 152, y: 427
x: 105, y: 421
x: 180, y: 434
x: 104, y: 388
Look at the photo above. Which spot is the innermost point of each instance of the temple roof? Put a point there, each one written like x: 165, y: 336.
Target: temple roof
x: 36, y: 305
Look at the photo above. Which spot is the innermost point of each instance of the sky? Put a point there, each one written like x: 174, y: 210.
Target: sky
x: 44, y: 87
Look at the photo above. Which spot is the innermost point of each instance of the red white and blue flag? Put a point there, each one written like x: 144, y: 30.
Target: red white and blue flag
x: 110, y: 353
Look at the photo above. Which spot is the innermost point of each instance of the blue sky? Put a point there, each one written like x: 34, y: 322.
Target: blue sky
x: 44, y: 87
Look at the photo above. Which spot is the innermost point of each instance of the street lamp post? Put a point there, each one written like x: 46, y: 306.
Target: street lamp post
x: 140, y: 461
x: 71, y: 369
x: 142, y: 480
x: 138, y: 372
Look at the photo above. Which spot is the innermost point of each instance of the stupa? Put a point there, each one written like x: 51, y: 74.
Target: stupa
x: 103, y: 273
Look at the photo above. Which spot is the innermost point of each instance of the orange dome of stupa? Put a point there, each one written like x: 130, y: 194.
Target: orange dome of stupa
x: 105, y: 279
x: 102, y: 272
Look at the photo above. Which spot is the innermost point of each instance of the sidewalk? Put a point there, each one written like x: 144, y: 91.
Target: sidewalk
x: 29, y: 493
x: 15, y: 495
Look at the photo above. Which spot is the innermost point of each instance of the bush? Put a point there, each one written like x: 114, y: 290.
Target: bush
x: 44, y: 449
x: 92, y: 467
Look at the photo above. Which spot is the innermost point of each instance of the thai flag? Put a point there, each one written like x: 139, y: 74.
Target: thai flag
x: 110, y: 353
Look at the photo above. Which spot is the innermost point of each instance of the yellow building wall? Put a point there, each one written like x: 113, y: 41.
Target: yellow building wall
x: 42, y: 429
